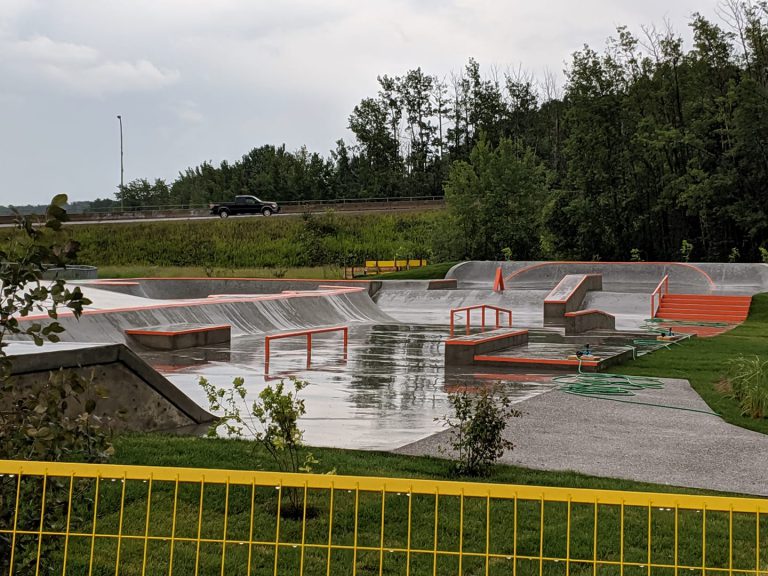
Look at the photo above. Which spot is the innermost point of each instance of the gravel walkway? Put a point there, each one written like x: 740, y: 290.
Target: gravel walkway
x: 560, y: 431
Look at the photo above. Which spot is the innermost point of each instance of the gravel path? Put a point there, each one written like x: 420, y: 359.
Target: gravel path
x: 560, y: 431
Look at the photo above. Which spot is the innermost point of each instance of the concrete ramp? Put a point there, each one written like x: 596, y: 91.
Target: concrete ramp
x: 422, y: 307
x: 627, y: 277
x: 184, y: 288
x: 256, y: 314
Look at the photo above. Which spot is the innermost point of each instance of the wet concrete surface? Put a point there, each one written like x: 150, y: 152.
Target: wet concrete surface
x: 664, y: 443
x: 387, y: 393
x: 392, y: 384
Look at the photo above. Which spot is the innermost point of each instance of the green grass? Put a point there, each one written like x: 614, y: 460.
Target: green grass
x: 364, y: 526
x: 333, y: 238
x: 429, y: 272
x: 705, y: 363
x: 160, y: 450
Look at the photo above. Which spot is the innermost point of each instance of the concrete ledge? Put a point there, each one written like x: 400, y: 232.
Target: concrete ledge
x: 179, y: 336
x: 585, y: 320
x: 554, y: 363
x: 447, y: 284
x: 568, y: 296
x: 462, y: 350
x: 150, y: 401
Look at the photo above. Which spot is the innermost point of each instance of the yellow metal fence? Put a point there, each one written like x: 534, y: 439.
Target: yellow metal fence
x: 59, y: 518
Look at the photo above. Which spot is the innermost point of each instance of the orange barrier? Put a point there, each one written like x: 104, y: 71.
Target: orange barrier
x: 661, y: 290
x: 498, y: 283
x: 483, y: 307
x: 308, y: 334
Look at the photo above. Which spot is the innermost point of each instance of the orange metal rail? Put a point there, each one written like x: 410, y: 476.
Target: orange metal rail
x: 483, y: 308
x: 308, y: 334
x: 661, y: 290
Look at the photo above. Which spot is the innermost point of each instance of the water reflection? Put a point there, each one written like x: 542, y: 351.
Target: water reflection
x: 387, y: 394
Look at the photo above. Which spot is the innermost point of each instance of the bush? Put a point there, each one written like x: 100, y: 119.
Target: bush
x: 272, y: 421
x: 477, y: 428
x: 748, y: 379
x: 51, y: 421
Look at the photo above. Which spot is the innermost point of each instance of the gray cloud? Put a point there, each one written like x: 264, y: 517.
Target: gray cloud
x: 78, y: 68
x: 198, y: 80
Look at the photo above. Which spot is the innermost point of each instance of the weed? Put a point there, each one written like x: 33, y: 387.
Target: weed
x: 748, y: 378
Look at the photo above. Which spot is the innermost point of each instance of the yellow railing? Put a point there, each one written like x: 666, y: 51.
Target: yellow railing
x: 412, y: 263
x: 111, y: 519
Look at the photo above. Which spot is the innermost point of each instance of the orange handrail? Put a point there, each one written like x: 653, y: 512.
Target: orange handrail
x: 308, y: 333
x: 483, y: 307
x: 661, y: 290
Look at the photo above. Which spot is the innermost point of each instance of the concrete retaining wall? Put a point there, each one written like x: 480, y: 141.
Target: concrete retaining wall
x: 138, y: 398
x: 402, y: 285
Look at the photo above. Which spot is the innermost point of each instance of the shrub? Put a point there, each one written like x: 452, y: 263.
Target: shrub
x: 748, y: 379
x: 477, y: 428
x: 25, y: 254
x: 271, y: 420
x: 51, y: 421
x: 685, y: 250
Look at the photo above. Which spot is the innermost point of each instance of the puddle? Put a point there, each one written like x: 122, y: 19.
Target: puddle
x: 387, y: 393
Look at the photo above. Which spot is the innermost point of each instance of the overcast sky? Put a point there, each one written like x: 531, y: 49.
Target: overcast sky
x: 199, y: 80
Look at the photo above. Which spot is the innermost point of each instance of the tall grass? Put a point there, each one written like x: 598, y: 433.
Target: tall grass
x: 748, y: 380
x: 328, y: 239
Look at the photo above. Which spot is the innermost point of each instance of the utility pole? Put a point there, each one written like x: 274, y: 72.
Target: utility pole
x: 120, y: 119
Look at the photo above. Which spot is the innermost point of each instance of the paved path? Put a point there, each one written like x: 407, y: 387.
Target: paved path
x: 560, y: 431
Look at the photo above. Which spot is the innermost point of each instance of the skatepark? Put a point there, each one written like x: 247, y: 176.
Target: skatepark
x: 406, y: 345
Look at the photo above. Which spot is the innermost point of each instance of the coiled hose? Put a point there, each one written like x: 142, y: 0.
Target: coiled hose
x: 606, y: 386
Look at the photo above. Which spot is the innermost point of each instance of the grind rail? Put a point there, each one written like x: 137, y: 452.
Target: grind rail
x: 308, y: 334
x: 656, y: 296
x: 482, y: 307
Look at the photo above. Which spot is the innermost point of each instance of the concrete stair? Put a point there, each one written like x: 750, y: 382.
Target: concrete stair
x: 704, y: 307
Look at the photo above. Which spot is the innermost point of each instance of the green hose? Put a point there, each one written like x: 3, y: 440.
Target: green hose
x: 685, y: 323
x: 606, y: 386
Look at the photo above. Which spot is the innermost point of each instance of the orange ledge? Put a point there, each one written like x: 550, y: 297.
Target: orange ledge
x: 585, y: 312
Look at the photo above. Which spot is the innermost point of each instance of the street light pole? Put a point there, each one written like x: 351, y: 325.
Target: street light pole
x: 120, y: 118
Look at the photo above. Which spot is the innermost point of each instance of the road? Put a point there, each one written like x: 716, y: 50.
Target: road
x: 388, y: 207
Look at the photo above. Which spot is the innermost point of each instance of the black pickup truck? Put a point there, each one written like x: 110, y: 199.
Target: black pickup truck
x: 244, y: 205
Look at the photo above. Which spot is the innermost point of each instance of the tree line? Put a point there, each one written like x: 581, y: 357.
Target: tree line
x: 646, y: 145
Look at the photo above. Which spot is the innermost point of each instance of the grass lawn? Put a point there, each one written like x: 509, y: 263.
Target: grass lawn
x: 430, y: 272
x: 160, y: 450
x: 475, y: 525
x: 705, y: 362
